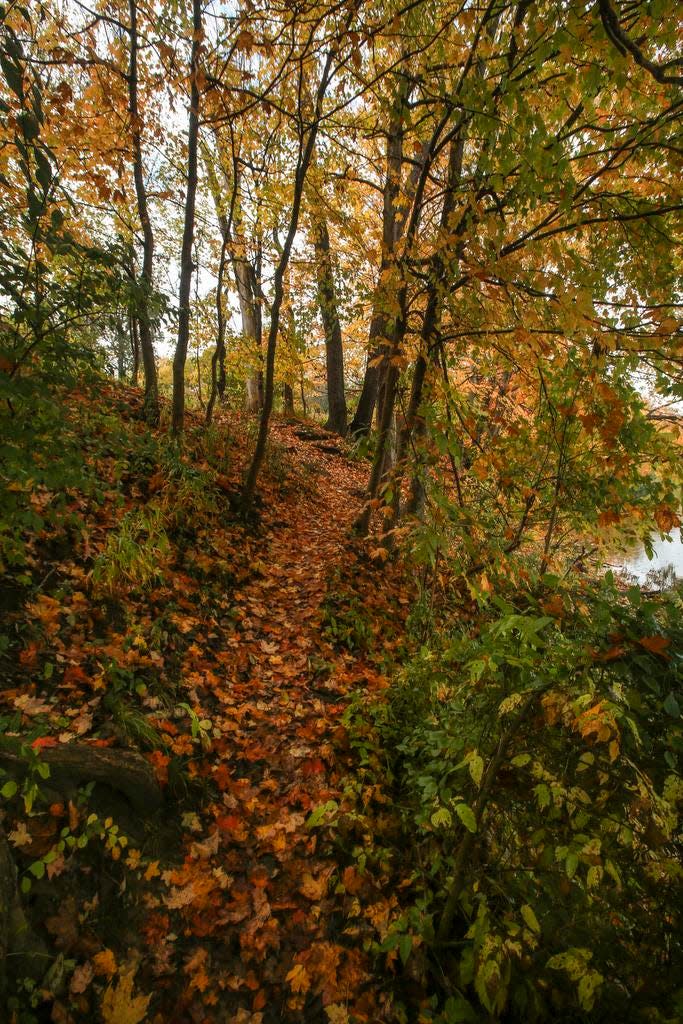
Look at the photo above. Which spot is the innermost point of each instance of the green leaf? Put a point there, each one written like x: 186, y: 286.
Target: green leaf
x: 37, y: 868
x: 9, y: 789
x: 442, y: 817
x: 458, y: 1011
x: 319, y: 813
x: 671, y: 706
x: 466, y: 815
x: 530, y: 919
x: 520, y: 760
x: 571, y: 864
x: 13, y: 75
x: 588, y: 985
x: 542, y: 795
x: 405, y: 946
x: 476, y: 767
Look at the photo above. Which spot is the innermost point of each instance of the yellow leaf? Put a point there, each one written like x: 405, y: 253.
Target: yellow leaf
x: 530, y: 919
x: 476, y: 767
x: 336, y: 1014
x: 298, y: 979
x: 120, y: 1006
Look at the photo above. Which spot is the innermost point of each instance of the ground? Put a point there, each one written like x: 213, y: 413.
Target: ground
x: 230, y: 657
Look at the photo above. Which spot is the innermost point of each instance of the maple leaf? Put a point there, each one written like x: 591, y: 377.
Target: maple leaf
x: 20, y: 836
x: 298, y: 979
x: 119, y: 1005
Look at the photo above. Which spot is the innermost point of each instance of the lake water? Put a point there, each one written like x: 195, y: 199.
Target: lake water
x: 634, y: 560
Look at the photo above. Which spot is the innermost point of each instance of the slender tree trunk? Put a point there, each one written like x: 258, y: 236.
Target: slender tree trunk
x: 250, y: 310
x: 334, y: 351
x: 288, y: 399
x: 391, y: 358
x: 246, y: 277
x: 218, y: 358
x: 186, y: 265
x: 362, y: 524
x: 289, y: 338
x: 304, y: 407
x: 303, y: 163
x: 120, y: 350
x: 135, y: 349
x: 145, y: 327
x: 441, y: 267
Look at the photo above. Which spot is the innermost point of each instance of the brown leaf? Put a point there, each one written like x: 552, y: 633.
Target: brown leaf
x: 82, y: 977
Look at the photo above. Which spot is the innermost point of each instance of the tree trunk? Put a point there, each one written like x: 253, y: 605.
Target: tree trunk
x: 393, y: 224
x: 120, y: 350
x: 246, y: 279
x: 441, y: 265
x: 288, y: 399
x: 125, y: 771
x: 248, y: 295
x: 303, y: 163
x: 135, y: 349
x: 145, y: 327
x: 304, y: 406
x: 334, y: 351
x: 218, y: 358
x: 186, y: 265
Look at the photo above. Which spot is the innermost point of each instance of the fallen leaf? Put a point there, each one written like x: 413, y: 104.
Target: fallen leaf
x: 81, y: 978
x: 105, y: 963
x: 120, y: 1006
x: 298, y: 979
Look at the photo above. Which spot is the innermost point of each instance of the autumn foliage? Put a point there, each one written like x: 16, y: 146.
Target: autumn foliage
x: 340, y: 355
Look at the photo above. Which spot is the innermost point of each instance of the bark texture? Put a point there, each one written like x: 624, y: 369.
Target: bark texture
x: 334, y: 351
x: 186, y: 265
x: 147, y: 275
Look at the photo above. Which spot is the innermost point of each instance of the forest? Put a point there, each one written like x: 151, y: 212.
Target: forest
x: 341, y: 368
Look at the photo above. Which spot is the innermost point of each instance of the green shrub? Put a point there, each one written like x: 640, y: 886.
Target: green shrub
x: 537, y: 766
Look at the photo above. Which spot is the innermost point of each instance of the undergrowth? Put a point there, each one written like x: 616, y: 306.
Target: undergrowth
x: 531, y: 747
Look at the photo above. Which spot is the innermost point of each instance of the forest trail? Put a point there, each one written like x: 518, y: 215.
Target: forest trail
x: 265, y: 907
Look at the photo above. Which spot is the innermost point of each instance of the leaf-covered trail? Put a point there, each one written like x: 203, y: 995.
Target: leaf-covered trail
x: 254, y: 892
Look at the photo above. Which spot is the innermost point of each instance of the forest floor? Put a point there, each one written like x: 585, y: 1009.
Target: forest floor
x: 233, y: 657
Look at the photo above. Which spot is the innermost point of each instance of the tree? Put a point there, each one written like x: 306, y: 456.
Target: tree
x: 143, y: 319
x: 186, y: 265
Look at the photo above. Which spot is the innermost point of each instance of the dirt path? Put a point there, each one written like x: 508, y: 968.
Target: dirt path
x: 269, y: 937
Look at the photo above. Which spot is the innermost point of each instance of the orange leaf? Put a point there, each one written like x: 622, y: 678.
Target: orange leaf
x: 298, y: 979
x: 655, y: 644
x: 104, y: 963
x: 666, y: 518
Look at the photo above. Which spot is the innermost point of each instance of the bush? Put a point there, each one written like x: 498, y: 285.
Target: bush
x: 536, y: 758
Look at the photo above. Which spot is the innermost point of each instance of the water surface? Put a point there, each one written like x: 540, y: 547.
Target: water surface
x: 667, y: 553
